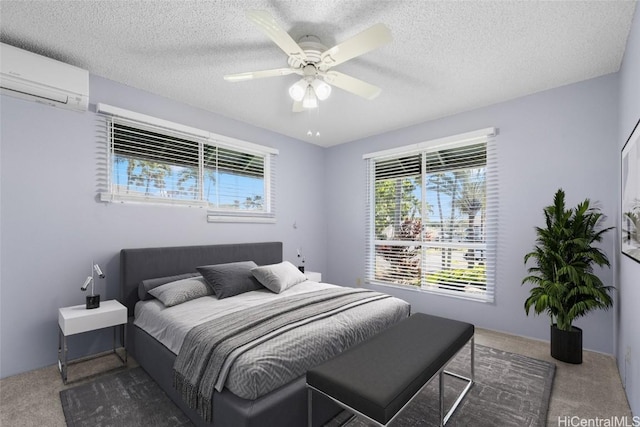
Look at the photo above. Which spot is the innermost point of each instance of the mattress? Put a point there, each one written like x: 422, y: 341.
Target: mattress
x: 272, y: 361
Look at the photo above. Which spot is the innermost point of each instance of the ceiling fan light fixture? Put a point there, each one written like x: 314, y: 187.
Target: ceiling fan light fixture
x: 297, y: 91
x: 310, y: 100
x: 322, y: 89
x: 309, y: 58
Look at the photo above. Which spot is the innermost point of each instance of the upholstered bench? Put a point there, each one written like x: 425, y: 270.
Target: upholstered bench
x: 379, y: 377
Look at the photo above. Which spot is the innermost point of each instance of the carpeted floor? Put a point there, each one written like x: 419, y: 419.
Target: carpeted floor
x: 510, y: 390
x: 127, y: 398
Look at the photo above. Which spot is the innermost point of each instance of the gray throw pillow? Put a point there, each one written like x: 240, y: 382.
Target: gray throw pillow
x: 230, y: 279
x: 174, y: 293
x: 278, y: 277
x: 146, y: 285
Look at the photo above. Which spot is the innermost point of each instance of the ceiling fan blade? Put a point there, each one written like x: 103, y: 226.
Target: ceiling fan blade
x: 351, y: 84
x: 361, y: 43
x: 270, y: 27
x: 240, y: 77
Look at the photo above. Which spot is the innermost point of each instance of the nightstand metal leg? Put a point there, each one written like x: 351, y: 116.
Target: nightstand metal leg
x: 123, y: 358
x: 62, y: 355
x: 124, y: 342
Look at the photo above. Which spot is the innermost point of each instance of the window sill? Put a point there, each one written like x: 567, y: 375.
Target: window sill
x: 477, y: 297
x: 107, y: 197
x: 244, y: 219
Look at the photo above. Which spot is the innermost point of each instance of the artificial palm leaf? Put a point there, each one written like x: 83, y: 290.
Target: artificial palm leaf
x: 564, y: 286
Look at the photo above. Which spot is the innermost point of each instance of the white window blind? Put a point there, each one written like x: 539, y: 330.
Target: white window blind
x: 432, y: 216
x: 151, y: 160
x: 239, y: 185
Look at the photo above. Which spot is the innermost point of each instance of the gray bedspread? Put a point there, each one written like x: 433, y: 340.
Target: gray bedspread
x: 210, y: 348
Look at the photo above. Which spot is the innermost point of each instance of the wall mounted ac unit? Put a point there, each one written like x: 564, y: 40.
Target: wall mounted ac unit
x: 34, y: 77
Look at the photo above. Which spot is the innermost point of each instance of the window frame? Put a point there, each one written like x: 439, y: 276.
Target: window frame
x: 491, y: 183
x: 110, y: 116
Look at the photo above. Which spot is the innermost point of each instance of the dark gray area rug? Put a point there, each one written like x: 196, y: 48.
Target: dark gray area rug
x: 128, y: 398
x: 509, y: 390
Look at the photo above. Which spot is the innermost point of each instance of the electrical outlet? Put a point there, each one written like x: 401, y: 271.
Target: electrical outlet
x: 359, y: 282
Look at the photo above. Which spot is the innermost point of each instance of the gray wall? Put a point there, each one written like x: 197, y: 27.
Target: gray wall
x: 628, y: 349
x: 565, y: 137
x: 52, y: 227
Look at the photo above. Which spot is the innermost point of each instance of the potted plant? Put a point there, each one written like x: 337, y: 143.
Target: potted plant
x: 564, y: 285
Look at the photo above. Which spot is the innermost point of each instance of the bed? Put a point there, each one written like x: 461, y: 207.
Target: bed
x: 157, y: 348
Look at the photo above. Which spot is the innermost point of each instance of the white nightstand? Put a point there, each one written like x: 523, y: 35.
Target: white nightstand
x: 77, y: 319
x: 313, y: 275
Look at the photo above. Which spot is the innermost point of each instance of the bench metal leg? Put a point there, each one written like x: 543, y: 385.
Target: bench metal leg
x: 309, y: 407
x: 441, y: 393
x: 464, y: 392
x: 473, y: 360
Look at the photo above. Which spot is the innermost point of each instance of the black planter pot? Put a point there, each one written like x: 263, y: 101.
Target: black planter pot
x: 566, y: 346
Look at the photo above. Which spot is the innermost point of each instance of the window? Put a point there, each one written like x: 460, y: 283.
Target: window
x: 153, y: 161
x: 431, y: 213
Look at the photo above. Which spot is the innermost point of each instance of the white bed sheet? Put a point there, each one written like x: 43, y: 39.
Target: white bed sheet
x: 170, y: 325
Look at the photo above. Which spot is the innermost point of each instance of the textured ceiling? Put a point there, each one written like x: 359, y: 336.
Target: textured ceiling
x: 446, y: 56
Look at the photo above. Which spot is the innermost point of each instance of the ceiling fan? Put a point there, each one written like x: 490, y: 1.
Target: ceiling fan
x: 314, y: 62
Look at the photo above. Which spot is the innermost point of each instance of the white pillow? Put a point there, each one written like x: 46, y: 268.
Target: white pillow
x: 278, y: 277
x: 174, y: 293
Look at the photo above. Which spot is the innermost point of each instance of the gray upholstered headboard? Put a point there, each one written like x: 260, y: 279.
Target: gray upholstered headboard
x: 148, y: 263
